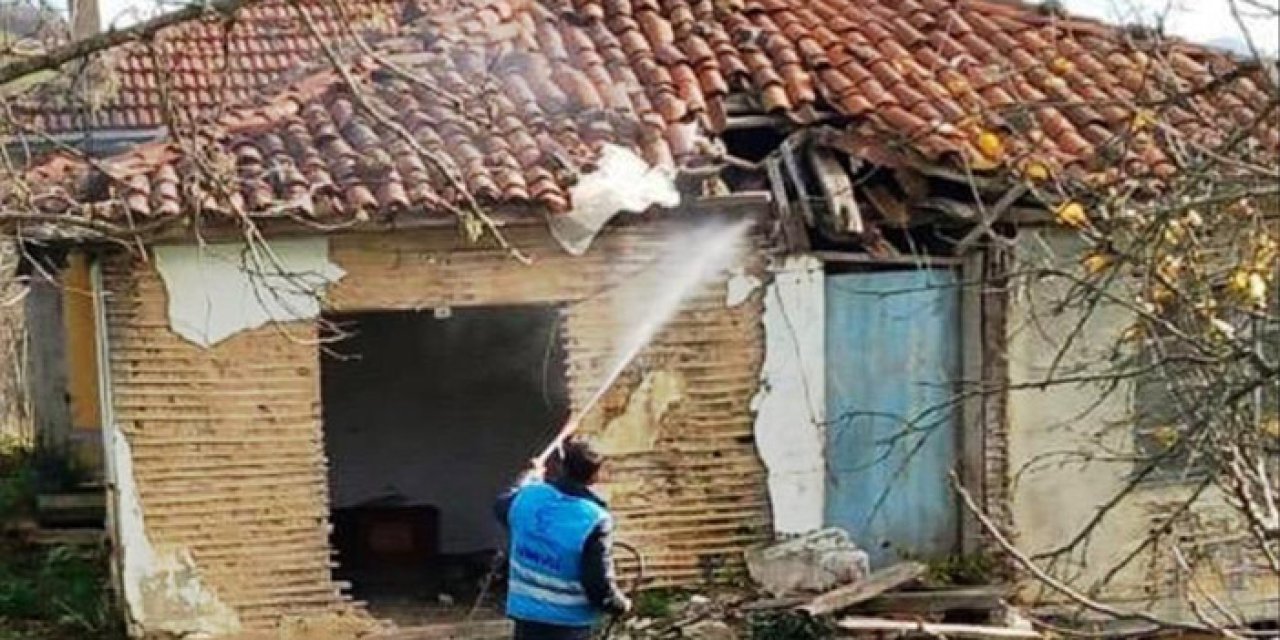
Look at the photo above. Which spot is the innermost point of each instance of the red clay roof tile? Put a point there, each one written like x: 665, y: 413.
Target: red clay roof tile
x: 544, y: 84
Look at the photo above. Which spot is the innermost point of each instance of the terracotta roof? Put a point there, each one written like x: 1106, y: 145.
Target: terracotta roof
x: 211, y: 63
x: 987, y: 84
x: 543, y: 84
x: 489, y: 90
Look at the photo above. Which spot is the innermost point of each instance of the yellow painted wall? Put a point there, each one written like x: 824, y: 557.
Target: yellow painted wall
x: 82, y: 360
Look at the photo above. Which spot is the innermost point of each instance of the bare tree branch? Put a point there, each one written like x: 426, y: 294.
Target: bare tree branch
x: 88, y: 46
x: 1028, y: 565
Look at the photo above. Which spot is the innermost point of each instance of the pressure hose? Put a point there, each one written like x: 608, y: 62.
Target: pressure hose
x: 632, y: 592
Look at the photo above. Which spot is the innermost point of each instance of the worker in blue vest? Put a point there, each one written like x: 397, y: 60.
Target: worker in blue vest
x: 561, y: 575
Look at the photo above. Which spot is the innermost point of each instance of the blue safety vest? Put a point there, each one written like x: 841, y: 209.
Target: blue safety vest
x: 548, y: 532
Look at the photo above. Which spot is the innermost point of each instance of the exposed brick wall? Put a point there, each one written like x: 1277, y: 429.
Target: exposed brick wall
x: 228, y: 443
x: 227, y: 453
x: 698, y: 497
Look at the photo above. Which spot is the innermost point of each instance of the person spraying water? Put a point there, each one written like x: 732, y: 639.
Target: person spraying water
x: 560, y: 567
x: 560, y: 570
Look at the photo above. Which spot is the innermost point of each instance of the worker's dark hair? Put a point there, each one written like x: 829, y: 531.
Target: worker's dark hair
x: 581, y: 462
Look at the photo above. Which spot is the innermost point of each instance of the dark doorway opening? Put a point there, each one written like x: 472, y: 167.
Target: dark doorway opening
x: 428, y: 416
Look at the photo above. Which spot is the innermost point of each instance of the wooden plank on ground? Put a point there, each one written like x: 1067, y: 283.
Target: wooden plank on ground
x: 935, y: 630
x: 875, y: 584
x: 773, y: 604
x: 935, y: 600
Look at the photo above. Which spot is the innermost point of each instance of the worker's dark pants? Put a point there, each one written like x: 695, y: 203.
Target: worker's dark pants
x: 539, y: 631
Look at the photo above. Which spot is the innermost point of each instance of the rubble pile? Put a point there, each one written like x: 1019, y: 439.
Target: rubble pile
x: 809, y: 564
x: 821, y: 586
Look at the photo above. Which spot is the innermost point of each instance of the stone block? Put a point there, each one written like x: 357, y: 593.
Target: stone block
x: 813, y: 563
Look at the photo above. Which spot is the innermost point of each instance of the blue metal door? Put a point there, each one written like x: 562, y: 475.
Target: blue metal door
x: 892, y: 364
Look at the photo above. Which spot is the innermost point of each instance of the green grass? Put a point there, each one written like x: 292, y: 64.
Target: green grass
x: 54, y: 593
x: 657, y: 603
x: 48, y: 593
x: 788, y: 625
x: 17, y: 486
x: 27, y: 630
x: 961, y: 570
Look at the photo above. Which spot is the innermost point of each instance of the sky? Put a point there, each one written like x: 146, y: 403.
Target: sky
x: 1204, y: 21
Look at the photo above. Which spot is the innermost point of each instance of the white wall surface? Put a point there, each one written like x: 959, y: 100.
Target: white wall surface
x: 790, y: 406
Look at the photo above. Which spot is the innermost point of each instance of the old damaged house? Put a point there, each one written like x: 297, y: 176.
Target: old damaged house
x: 373, y: 261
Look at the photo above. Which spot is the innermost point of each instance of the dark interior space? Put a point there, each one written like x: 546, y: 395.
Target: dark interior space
x: 428, y: 415
x: 754, y: 143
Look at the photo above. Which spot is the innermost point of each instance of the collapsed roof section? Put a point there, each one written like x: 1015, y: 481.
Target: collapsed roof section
x: 508, y: 102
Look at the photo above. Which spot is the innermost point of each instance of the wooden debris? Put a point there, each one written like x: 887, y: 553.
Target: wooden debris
x: 773, y: 604
x: 936, y: 600
x: 863, y: 590
x: 68, y: 537
x: 788, y: 150
x: 936, y: 630
x: 913, y: 183
x: 837, y: 188
x: 891, y: 207
x: 794, y: 232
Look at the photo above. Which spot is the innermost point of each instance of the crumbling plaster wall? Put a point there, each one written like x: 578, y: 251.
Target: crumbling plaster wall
x: 223, y: 490
x: 219, y: 469
x: 164, y: 591
x: 791, y: 402
x: 218, y: 290
x: 686, y: 481
x: 1055, y: 489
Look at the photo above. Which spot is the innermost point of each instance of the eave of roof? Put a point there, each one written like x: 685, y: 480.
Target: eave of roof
x: 976, y: 85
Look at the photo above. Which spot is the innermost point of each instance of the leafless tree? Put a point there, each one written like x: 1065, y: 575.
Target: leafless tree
x: 1188, y: 258
x: 41, y: 58
x: 1164, y: 305
x: 38, y: 54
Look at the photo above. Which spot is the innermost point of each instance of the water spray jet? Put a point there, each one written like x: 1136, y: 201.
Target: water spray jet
x: 693, y: 259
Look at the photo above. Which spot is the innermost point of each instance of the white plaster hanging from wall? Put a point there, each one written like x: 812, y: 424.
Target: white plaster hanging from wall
x: 621, y: 182
x: 163, y: 590
x: 218, y: 290
x: 740, y: 287
x: 791, y: 405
